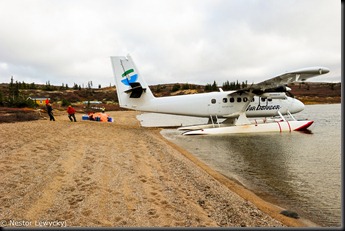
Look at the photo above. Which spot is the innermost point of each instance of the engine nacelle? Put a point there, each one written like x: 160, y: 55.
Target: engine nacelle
x: 274, y: 95
x: 278, y: 89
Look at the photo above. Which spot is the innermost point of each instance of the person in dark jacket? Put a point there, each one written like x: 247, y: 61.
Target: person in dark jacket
x: 71, y: 113
x: 50, y: 112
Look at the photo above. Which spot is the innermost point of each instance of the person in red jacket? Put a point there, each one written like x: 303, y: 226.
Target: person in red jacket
x: 71, y: 113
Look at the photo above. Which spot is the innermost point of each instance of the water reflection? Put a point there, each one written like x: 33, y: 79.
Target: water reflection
x: 307, y: 131
x: 260, y: 160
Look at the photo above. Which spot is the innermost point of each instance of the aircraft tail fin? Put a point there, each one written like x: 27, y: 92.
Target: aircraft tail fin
x: 132, y: 90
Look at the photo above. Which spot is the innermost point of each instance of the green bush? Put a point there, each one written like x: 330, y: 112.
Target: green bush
x: 65, y: 103
x: 176, y: 87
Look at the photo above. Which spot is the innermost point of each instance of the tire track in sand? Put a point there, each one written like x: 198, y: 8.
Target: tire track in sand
x: 59, y: 172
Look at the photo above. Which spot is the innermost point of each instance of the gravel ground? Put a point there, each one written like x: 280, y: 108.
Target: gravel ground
x: 93, y: 174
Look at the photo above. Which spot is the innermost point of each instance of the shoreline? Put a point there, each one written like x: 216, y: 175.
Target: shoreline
x: 118, y: 175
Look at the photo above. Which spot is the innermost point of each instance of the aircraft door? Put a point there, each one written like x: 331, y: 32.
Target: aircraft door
x: 214, y: 107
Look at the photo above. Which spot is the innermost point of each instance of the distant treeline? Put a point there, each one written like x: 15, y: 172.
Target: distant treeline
x: 48, y: 87
x: 11, y: 96
x: 227, y: 86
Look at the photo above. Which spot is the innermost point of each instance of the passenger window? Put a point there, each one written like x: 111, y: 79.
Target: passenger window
x: 245, y: 99
x: 263, y: 99
x: 253, y: 99
x: 213, y: 101
x: 239, y: 100
x: 269, y: 100
x: 225, y: 100
x: 232, y: 100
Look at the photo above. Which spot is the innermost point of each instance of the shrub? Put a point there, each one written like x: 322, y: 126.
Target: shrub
x: 65, y: 102
x: 176, y: 87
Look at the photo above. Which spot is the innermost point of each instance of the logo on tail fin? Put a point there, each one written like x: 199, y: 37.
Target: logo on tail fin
x: 129, y: 77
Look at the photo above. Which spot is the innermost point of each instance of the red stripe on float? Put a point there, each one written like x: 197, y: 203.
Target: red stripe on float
x: 280, y: 128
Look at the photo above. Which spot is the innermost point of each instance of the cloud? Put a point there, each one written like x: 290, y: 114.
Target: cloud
x: 170, y: 41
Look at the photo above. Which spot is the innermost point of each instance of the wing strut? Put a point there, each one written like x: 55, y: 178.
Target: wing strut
x: 242, y: 118
x: 210, y: 120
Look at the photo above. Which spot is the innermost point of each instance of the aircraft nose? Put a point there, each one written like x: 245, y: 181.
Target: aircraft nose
x: 323, y: 70
x: 297, y: 106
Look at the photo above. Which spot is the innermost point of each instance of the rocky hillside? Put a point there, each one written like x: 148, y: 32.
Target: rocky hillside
x: 317, y: 93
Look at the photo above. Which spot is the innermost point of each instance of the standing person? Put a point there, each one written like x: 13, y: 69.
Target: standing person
x: 71, y: 113
x: 50, y: 112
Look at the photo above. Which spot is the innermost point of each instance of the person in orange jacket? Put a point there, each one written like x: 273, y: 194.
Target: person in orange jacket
x: 71, y: 113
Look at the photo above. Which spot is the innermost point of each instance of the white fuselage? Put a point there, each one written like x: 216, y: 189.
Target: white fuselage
x: 220, y: 104
x: 264, y: 99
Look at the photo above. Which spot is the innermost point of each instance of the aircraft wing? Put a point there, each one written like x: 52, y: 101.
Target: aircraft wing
x: 279, y: 82
x: 299, y: 75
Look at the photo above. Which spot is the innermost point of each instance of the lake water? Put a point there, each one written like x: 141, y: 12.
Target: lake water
x: 298, y: 171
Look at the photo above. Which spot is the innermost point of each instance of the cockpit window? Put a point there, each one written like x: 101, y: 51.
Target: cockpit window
x: 232, y: 100
x: 213, y: 101
x: 225, y: 100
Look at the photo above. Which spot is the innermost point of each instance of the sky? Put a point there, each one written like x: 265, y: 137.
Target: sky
x: 194, y: 41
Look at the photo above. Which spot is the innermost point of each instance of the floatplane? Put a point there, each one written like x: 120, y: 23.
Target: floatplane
x: 269, y: 100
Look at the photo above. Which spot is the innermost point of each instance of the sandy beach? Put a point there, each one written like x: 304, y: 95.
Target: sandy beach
x: 93, y: 174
